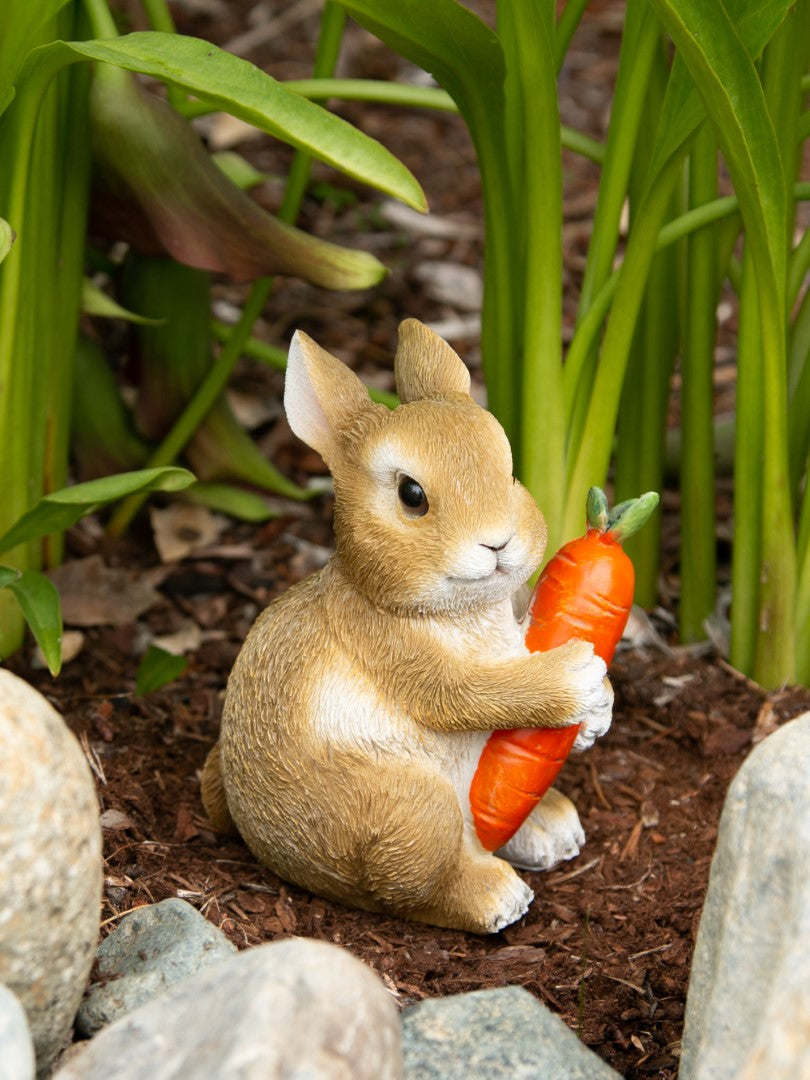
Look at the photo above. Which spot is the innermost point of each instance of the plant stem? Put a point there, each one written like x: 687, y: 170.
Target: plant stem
x: 566, y: 27
x: 698, y: 549
x: 640, y: 42
x: 542, y: 461
x: 592, y: 436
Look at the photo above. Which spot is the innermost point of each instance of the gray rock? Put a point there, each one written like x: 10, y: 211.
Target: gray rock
x: 492, y: 1034
x: 748, y: 1007
x: 16, y: 1044
x: 152, y: 949
x: 299, y: 1009
x: 50, y: 865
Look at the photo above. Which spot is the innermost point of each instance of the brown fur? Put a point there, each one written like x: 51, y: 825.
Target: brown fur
x: 352, y: 712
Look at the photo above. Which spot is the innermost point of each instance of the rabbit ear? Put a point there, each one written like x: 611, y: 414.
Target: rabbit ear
x: 425, y: 365
x: 321, y: 394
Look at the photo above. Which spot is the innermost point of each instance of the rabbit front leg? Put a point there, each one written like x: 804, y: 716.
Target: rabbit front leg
x: 564, y: 686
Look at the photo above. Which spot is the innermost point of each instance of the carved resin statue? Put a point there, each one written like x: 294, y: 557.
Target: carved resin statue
x: 360, y: 702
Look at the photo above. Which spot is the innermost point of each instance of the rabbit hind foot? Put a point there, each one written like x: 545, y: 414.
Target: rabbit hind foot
x: 551, y: 834
x: 485, y: 896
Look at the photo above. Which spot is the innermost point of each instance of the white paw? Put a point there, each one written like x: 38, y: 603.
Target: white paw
x: 594, y: 694
x: 597, y: 718
x: 551, y: 834
x: 512, y: 902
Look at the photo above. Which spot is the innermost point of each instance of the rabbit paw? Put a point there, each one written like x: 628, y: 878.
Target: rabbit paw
x: 514, y: 897
x: 597, y: 719
x: 594, y: 694
x: 551, y: 834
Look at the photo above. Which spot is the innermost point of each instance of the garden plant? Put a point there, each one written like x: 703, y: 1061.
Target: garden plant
x: 703, y: 151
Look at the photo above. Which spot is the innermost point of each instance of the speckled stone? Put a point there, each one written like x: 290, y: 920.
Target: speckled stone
x: 296, y: 1008
x: 501, y: 1034
x: 748, y: 1006
x: 16, y: 1044
x: 50, y: 864
x: 151, y: 949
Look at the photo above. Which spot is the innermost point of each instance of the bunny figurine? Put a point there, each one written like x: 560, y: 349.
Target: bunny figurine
x: 360, y: 702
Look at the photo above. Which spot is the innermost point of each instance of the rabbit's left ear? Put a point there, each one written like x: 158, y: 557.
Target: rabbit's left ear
x: 321, y: 395
x: 425, y: 366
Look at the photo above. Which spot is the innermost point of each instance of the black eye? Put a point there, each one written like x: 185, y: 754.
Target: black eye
x: 412, y: 496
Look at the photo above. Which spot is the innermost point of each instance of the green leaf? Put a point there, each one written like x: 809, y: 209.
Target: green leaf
x: 22, y: 23
x: 446, y: 39
x: 61, y: 509
x: 234, y: 501
x: 39, y: 602
x: 157, y: 668
x: 96, y: 302
x: 7, y: 238
x: 683, y: 111
x: 241, y: 89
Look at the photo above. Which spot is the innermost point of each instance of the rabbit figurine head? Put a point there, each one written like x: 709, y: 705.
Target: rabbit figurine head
x: 428, y: 517
x: 360, y: 702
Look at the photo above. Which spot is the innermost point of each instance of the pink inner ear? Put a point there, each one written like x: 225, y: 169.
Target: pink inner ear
x: 322, y: 396
x: 301, y: 403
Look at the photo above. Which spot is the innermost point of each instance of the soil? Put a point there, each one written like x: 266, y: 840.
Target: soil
x: 608, y: 940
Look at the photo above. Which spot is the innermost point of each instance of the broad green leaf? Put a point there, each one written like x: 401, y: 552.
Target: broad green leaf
x: 157, y: 669
x: 39, y: 602
x: 7, y: 238
x: 96, y: 302
x: 241, y: 89
x: 61, y: 509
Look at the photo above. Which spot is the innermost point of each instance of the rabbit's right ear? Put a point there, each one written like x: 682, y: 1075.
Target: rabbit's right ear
x: 321, y: 394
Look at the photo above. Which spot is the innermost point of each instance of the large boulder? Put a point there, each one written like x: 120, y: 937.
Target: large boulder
x: 748, y: 1007
x: 292, y: 1008
x: 50, y: 845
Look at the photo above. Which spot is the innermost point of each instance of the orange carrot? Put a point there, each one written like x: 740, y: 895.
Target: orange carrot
x: 585, y: 592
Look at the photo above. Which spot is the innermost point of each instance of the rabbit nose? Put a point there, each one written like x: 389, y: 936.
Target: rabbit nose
x: 497, y: 547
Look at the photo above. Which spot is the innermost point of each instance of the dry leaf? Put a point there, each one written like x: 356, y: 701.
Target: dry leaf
x: 182, y: 528
x: 94, y: 594
x: 186, y: 638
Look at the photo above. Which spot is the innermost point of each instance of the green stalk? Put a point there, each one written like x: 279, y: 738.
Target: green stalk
x: 641, y: 41
x: 698, y: 547
x: 748, y: 481
x: 799, y: 268
x: 591, y: 436
x: 641, y: 423
x: 799, y: 407
x: 542, y: 444
x: 775, y: 652
x: 567, y: 24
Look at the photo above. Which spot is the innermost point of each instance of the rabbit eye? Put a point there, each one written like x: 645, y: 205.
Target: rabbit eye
x: 412, y: 496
